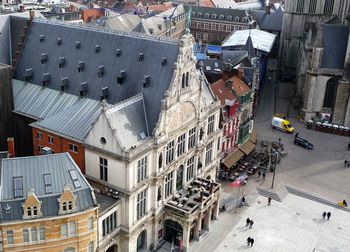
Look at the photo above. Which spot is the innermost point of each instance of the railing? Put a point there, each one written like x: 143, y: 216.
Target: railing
x: 329, y: 71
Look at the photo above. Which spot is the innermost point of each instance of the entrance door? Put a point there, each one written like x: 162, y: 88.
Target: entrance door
x: 141, y: 242
x: 173, y: 232
x: 179, y: 177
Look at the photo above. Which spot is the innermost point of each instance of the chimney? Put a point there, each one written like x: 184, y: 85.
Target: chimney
x: 11, y: 146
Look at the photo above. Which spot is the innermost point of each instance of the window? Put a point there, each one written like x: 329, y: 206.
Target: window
x: 18, y: 186
x: 34, y: 234
x: 219, y: 144
x: 169, y: 184
x: 103, y: 169
x: 141, y: 169
x: 64, y: 230
x: 192, y: 138
x: 32, y: 211
x: 50, y: 139
x: 206, y: 25
x: 25, y: 235
x: 73, y: 148
x: 208, y: 153
x: 190, y: 166
x: 205, y: 36
x: 183, y: 81
x: 312, y: 6
x: 42, y: 233
x: 9, y: 237
x: 40, y: 135
x: 170, y: 149
x: 328, y: 7
x: 109, y: 224
x: 221, y: 27
x: 211, y: 124
x: 90, y: 247
x: 300, y: 6
x: 181, y: 142
x: 228, y: 28
x: 70, y: 205
x: 214, y: 26
x: 141, y: 204
x: 187, y: 78
x: 47, y: 183
x: 70, y: 249
x: 90, y: 223
x: 68, y: 230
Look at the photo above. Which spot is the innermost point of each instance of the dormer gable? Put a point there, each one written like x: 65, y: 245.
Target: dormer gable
x: 31, y: 206
x: 67, y: 201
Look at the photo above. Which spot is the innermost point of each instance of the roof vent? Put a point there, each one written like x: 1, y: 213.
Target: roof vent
x: 118, y: 52
x: 104, y: 94
x: 80, y: 66
x: 59, y: 41
x: 121, y: 77
x: 28, y: 72
x: 46, y: 151
x: 140, y: 56
x: 43, y: 58
x: 83, y: 88
x: 46, y: 79
x: 42, y: 38
x: 77, y: 45
x: 164, y: 61
x: 97, y: 48
x: 64, y: 83
x: 101, y: 70
x: 61, y: 61
x: 146, y: 81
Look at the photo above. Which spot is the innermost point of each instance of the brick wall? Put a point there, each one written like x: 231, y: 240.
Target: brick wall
x: 60, y: 145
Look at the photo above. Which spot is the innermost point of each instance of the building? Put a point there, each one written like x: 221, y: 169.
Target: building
x: 213, y: 25
x: 314, y: 49
x: 46, y: 205
x: 156, y: 142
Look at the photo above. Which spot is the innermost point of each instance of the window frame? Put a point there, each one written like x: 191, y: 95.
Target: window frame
x: 9, y: 237
x: 181, y: 144
x: 141, y: 204
x: 142, y: 169
x: 73, y: 148
x: 211, y: 124
x: 192, y: 138
x: 50, y: 139
x: 208, y: 153
x: 170, y: 152
x: 103, y: 169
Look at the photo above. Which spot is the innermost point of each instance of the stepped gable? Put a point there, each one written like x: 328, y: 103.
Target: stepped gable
x: 113, y: 65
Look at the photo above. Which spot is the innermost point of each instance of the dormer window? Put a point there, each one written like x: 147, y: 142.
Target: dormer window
x: 80, y: 66
x: 43, y: 58
x: 118, y: 52
x: 31, y: 206
x: 59, y: 41
x: 61, y: 62
x: 77, y: 45
x: 32, y: 211
x: 97, y: 49
x: 100, y: 71
x: 141, y: 57
x: 67, y: 201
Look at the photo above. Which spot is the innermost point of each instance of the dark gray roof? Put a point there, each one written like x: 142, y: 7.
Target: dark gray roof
x: 249, y: 48
x: 105, y: 202
x: 130, y: 45
x: 32, y: 170
x: 335, y: 41
x: 235, y: 57
x: 209, y: 65
x: 269, y: 22
x: 128, y: 121
x: 218, y: 11
x: 75, y: 121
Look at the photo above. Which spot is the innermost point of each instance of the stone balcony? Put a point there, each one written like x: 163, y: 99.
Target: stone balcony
x: 192, y: 199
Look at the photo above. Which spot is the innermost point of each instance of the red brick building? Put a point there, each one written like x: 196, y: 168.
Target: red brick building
x: 58, y: 144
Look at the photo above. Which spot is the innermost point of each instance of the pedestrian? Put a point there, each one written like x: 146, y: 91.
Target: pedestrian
x: 251, y: 242
x: 243, y: 200
x: 259, y: 174
x: 345, y: 203
x: 296, y: 135
x: 263, y: 175
x: 269, y: 201
x: 328, y: 215
x: 247, y: 222
x: 346, y: 163
x: 324, y: 215
x: 251, y: 223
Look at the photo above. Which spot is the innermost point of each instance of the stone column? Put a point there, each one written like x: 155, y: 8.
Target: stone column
x: 186, y: 238
x: 309, y: 95
x: 207, y: 219
x: 217, y: 208
x: 341, y: 102
x: 197, y: 230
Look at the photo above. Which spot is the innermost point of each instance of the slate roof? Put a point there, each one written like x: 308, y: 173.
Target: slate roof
x: 250, y: 48
x: 130, y: 45
x: 335, y: 42
x: 269, y: 22
x: 236, y: 57
x: 105, y: 202
x: 128, y: 120
x: 124, y: 22
x: 218, y: 11
x: 32, y: 170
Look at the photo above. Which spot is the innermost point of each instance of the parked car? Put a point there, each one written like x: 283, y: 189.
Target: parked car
x: 303, y: 143
x: 282, y: 124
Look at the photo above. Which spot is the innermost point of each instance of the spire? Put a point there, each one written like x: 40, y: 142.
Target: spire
x: 249, y: 47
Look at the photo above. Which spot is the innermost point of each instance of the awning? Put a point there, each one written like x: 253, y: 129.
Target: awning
x: 247, y: 147
x: 233, y: 158
x: 253, y: 137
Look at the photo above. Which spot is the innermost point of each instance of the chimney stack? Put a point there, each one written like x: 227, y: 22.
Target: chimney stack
x: 11, y: 146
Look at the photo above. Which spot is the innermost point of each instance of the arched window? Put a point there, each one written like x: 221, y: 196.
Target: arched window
x: 160, y: 161
x: 229, y: 18
x: 214, y: 16
x: 206, y: 15
x: 245, y: 19
x: 236, y: 19
x: 90, y: 247
x: 159, y: 196
x: 221, y: 17
x: 183, y: 81
x: 199, y: 14
x: 187, y: 78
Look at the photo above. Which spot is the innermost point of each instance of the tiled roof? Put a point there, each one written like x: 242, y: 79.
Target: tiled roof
x: 222, y: 92
x: 123, y: 56
x: 32, y: 170
x: 239, y: 86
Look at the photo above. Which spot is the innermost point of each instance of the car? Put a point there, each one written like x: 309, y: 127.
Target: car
x: 303, y: 143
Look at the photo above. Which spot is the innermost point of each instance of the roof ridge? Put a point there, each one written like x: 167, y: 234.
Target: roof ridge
x: 111, y: 31
x: 124, y: 103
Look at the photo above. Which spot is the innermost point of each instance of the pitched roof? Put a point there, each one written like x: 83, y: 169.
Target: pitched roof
x: 222, y: 92
x: 239, y: 86
x: 227, y: 4
x: 125, y: 22
x: 218, y: 11
x: 32, y: 170
x: 335, y: 42
x: 236, y: 57
x: 130, y: 45
x: 269, y: 22
x: 248, y: 47
x: 129, y: 121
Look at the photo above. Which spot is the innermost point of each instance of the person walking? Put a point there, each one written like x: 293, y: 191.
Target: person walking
x: 296, y: 135
x: 251, y: 224
x: 346, y: 163
x: 269, y: 201
x: 328, y: 215
x: 251, y: 242
x: 259, y: 174
x: 243, y: 201
x: 263, y: 175
x: 324, y: 215
x: 247, y: 222
x: 345, y: 203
